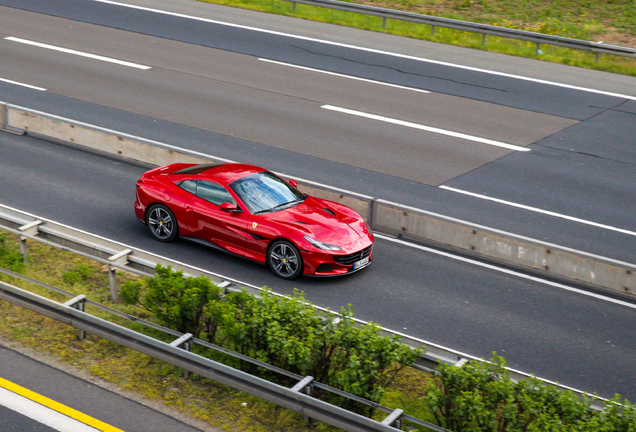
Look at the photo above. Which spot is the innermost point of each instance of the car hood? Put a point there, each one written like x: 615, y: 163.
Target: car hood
x: 324, y: 221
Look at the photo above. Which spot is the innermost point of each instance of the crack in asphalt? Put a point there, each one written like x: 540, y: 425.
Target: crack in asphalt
x: 615, y: 108
x: 399, y: 70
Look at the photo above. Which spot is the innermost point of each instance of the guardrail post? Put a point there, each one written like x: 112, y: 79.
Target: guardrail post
x: 28, y: 229
x: 432, y: 30
x: 305, y: 386
x: 483, y: 40
x: 538, y: 46
x: 294, y: 9
x: 78, y: 303
x: 224, y: 286
x: 461, y: 362
x: 185, y: 343
x: 394, y: 419
x: 120, y: 258
x: 383, y: 22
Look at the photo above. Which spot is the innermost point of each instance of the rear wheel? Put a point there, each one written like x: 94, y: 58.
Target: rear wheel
x: 285, y: 260
x: 162, y: 223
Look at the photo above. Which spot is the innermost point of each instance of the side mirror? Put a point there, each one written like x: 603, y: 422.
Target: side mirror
x: 294, y: 183
x: 228, y: 207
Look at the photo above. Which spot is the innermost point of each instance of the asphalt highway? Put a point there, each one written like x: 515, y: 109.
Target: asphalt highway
x: 208, y: 88
x: 582, y: 342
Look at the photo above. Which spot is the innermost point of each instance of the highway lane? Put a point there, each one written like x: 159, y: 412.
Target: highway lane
x: 207, y: 82
x: 580, y: 341
x: 271, y: 104
x: 610, y: 182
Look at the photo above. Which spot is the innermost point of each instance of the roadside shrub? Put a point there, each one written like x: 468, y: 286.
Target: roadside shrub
x: 480, y: 396
x: 283, y: 331
x: 177, y: 302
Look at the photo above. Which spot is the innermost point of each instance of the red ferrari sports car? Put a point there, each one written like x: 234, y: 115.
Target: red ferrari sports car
x: 251, y: 212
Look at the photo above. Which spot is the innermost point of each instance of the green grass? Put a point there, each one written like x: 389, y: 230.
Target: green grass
x: 612, y: 21
x: 197, y: 397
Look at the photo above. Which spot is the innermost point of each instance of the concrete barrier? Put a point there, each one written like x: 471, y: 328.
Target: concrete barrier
x: 550, y: 259
x: 391, y: 218
x: 3, y: 116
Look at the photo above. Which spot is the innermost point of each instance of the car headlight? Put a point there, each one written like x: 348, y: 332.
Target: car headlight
x: 321, y: 245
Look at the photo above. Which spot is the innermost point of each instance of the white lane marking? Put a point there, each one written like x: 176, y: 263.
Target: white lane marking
x: 538, y: 210
x: 508, y: 271
x: 345, y: 76
x: 404, y: 56
x: 22, y: 84
x: 77, y: 53
x: 427, y: 128
x: 41, y: 414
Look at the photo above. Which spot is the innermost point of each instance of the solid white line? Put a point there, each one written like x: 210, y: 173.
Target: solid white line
x: 22, y: 84
x: 538, y: 210
x: 78, y: 53
x: 41, y: 414
x: 345, y: 76
x: 427, y: 128
x: 404, y: 56
x: 508, y: 272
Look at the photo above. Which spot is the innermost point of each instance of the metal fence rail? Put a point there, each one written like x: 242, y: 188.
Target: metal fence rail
x: 296, y: 399
x: 484, y: 29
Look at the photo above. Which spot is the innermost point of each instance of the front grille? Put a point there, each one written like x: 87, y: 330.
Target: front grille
x: 350, y: 259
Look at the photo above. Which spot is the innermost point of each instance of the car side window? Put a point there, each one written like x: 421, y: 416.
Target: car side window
x: 213, y: 193
x: 190, y: 186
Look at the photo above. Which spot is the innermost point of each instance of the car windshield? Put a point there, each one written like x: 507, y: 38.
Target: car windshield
x: 264, y: 192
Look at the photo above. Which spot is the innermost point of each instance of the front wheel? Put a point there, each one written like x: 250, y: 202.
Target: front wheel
x: 285, y: 260
x: 162, y: 223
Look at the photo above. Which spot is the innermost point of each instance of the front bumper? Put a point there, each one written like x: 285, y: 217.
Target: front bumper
x: 330, y: 264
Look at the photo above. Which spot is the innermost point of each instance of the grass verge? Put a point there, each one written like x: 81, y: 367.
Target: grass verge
x: 610, y: 21
x: 196, y: 397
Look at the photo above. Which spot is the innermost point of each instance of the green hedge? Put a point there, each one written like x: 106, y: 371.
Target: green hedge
x: 480, y: 396
x: 286, y: 332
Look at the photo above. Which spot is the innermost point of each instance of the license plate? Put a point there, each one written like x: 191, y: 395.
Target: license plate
x: 361, y: 263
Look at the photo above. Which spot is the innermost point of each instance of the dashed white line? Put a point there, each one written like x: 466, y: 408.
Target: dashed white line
x: 538, y: 210
x: 22, y: 84
x: 404, y: 56
x: 427, y: 128
x: 344, y: 76
x: 507, y: 271
x: 77, y: 53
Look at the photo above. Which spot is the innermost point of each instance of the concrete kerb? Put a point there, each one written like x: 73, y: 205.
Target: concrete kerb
x: 391, y: 218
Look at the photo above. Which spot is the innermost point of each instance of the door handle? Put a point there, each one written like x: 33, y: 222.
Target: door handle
x: 188, y: 209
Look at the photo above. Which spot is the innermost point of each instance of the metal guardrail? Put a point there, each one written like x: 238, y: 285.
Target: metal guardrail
x: 484, y: 29
x: 396, y: 416
x: 294, y: 399
x: 144, y: 263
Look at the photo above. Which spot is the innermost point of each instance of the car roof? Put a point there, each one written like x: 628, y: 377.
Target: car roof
x: 221, y: 173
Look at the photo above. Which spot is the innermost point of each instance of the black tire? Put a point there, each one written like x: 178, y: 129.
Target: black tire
x: 162, y: 223
x: 285, y: 260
